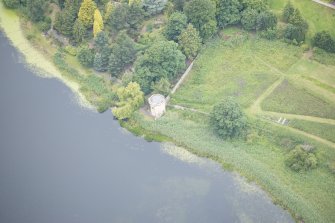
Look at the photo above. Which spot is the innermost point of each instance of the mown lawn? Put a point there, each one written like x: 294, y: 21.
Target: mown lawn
x: 293, y: 99
x: 326, y: 131
x: 319, y: 17
x: 237, y: 64
x: 310, y: 195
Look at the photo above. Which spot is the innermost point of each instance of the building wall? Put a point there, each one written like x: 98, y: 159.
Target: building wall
x: 158, y: 110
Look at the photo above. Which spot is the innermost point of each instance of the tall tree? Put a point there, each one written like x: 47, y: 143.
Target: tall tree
x: 98, y: 24
x: 78, y: 32
x: 103, y: 51
x: 228, y: 12
x: 123, y: 53
x: 86, y: 12
x: 201, y: 13
x: 65, y: 19
x: 189, y: 42
x: 176, y: 23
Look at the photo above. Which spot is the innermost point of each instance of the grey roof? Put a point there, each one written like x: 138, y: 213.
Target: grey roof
x: 156, y: 99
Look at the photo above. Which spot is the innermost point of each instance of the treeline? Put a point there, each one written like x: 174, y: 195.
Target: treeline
x: 110, y: 36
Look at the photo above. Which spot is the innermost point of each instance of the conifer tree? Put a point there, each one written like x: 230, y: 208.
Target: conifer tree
x: 98, y: 25
x: 86, y: 12
x: 78, y: 32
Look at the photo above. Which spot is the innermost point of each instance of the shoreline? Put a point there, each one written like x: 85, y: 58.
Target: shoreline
x: 137, y: 129
x: 10, y: 25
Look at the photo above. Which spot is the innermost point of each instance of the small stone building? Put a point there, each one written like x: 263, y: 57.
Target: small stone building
x: 157, y: 104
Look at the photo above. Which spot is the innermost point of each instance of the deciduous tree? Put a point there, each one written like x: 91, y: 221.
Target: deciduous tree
x: 201, y: 13
x: 228, y: 12
x: 227, y: 119
x: 162, y: 60
x: 189, y: 42
x: 130, y: 99
x: 123, y: 53
x: 176, y: 23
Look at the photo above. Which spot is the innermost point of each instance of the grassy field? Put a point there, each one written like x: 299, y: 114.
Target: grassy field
x: 292, y: 99
x: 236, y: 68
x: 310, y: 195
x: 319, y: 17
x: 241, y: 65
x: 326, y: 131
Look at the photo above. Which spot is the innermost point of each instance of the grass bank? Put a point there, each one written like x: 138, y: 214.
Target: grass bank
x: 261, y: 159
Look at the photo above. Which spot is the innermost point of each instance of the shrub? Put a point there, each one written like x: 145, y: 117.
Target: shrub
x: 71, y: 50
x: 299, y: 159
x: 266, y: 20
x: 324, y: 41
x: 269, y: 34
x: 294, y: 33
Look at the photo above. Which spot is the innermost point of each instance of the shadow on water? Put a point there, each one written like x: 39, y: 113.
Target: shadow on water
x: 62, y: 163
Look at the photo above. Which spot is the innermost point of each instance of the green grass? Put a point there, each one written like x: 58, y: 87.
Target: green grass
x: 311, y: 195
x: 323, y: 57
x: 326, y: 131
x: 319, y: 17
x: 313, y: 70
x: 289, y: 98
x: 234, y: 68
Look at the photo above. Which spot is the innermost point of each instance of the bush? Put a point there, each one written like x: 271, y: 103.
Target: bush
x: 324, y: 41
x: 269, y: 34
x: 299, y: 159
x: 294, y: 33
x: 266, y: 20
x: 71, y: 50
x: 227, y: 119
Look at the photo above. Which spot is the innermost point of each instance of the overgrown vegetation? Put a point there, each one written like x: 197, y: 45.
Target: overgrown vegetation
x: 288, y: 98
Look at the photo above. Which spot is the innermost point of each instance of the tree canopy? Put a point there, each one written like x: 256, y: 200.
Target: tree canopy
x: 176, y: 23
x: 227, y: 119
x: 189, y: 42
x: 162, y: 59
x: 86, y: 12
x: 130, y: 98
x: 201, y: 13
x: 228, y: 12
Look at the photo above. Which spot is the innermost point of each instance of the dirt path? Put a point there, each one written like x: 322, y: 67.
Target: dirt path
x: 324, y: 3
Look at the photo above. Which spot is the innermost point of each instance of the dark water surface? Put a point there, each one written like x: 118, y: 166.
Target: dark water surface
x: 60, y: 163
